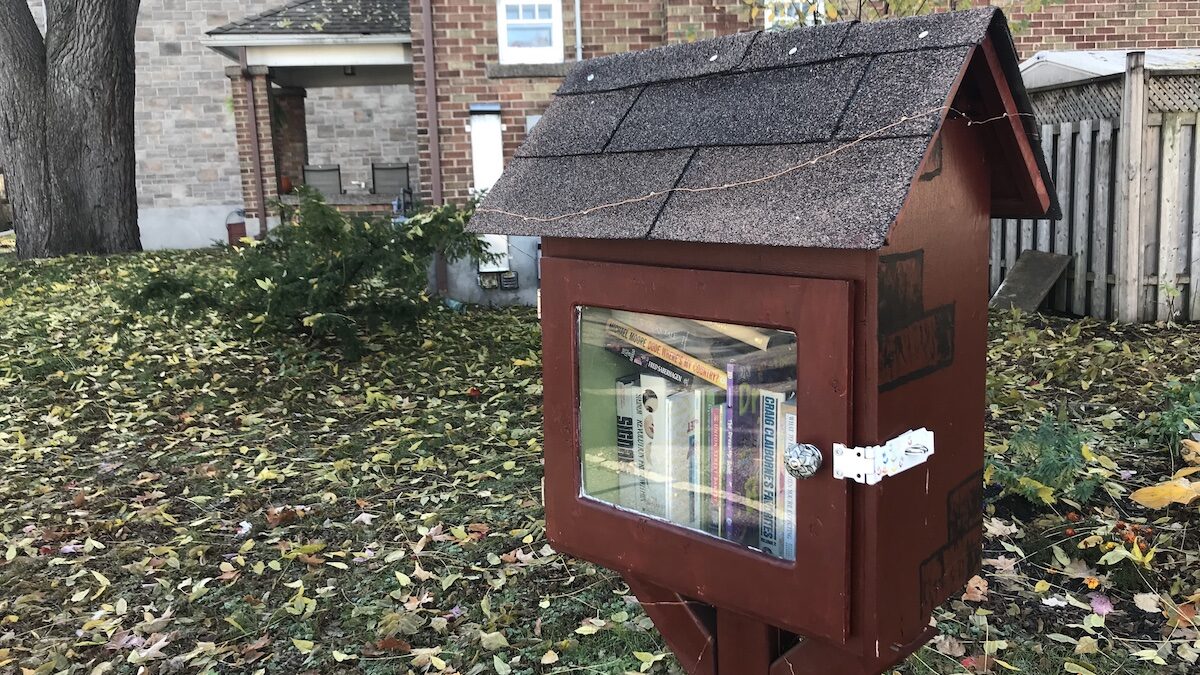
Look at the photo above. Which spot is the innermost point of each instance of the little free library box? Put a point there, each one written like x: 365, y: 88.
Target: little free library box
x: 765, y: 284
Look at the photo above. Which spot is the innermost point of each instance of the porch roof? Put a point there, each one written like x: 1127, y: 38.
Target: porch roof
x: 326, y: 17
x: 322, y: 43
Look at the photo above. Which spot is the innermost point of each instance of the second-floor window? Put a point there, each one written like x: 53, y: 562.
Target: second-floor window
x: 530, y: 32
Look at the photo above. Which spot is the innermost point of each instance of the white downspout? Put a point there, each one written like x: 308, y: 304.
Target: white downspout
x: 578, y: 30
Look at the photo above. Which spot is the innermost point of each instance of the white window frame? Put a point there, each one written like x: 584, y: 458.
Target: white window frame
x: 552, y: 54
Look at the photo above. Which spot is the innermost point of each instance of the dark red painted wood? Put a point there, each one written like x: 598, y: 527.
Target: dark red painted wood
x: 723, y: 574
x: 745, y: 646
x: 691, y: 635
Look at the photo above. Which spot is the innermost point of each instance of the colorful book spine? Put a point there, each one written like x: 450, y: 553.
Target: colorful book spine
x: 743, y: 479
x: 681, y: 456
x: 657, y: 456
x: 716, y: 468
x: 640, y: 481
x: 660, y: 349
x: 648, y: 362
x: 769, y: 539
x: 627, y: 478
x: 786, y: 486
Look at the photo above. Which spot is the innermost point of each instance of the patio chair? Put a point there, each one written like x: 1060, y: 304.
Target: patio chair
x: 392, y: 180
x: 324, y: 178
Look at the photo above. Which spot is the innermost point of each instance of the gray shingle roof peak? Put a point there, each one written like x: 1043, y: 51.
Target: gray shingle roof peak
x: 332, y: 17
x: 820, y: 130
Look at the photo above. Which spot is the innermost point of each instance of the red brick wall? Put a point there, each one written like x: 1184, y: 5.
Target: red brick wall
x: 1091, y: 24
x: 244, y: 130
x: 466, y: 42
x: 291, y: 134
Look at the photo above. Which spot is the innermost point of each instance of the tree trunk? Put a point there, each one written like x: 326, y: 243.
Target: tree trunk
x: 66, y: 126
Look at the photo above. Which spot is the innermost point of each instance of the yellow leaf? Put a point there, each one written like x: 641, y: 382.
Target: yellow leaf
x: 1041, y: 586
x: 304, y: 646
x: 1160, y: 496
x: 549, y: 657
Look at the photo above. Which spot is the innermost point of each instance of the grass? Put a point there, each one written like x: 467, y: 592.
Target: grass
x: 179, y: 494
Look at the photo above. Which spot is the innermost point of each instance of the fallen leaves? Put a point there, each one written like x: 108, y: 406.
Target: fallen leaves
x: 977, y: 590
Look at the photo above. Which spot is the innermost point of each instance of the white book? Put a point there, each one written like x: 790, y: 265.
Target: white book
x: 683, y: 417
x: 627, y: 390
x: 656, y: 467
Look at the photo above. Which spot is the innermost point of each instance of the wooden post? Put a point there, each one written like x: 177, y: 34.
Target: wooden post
x: 1173, y: 213
x: 1130, y: 276
x: 744, y: 646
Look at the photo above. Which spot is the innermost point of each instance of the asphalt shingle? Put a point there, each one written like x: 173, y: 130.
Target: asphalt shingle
x: 778, y: 48
x: 578, y: 124
x: 332, y: 17
x: 944, y: 29
x: 825, y: 201
x: 693, y: 59
x: 546, y: 187
x: 765, y: 106
x: 904, y: 84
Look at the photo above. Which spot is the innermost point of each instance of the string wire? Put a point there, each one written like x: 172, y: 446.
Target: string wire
x: 752, y: 181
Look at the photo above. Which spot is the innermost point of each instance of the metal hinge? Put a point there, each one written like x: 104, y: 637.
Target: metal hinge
x: 872, y: 464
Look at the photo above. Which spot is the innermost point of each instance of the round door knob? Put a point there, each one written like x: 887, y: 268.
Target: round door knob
x: 802, y: 460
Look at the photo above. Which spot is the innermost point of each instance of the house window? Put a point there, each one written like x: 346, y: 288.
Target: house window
x: 793, y: 13
x: 530, y: 32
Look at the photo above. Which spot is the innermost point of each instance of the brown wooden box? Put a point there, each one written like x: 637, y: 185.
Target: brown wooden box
x: 887, y: 299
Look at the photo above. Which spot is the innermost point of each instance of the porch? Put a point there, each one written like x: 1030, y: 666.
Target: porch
x: 283, y: 54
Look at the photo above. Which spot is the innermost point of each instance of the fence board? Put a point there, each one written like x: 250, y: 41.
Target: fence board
x: 1172, y: 214
x: 1012, y: 244
x: 1062, y: 228
x: 1151, y: 169
x: 1101, y: 223
x: 1043, y: 225
x: 1194, y: 251
x: 1081, y: 217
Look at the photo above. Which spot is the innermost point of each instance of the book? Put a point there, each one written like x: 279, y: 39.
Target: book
x: 745, y: 377
x: 627, y: 390
x: 759, y: 338
x: 656, y: 469
x: 682, y: 360
x: 647, y: 361
x: 682, y: 418
x: 717, y: 465
x: 640, y: 482
x: 786, y: 486
x: 769, y: 539
x: 695, y: 338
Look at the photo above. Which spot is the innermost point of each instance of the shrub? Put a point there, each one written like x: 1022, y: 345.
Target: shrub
x: 1047, y: 464
x: 333, y: 275
x: 1179, y: 419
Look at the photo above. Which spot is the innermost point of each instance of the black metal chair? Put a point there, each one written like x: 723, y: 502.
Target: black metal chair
x: 392, y: 180
x: 324, y: 178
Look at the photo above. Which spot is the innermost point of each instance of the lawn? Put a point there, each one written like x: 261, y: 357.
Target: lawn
x: 179, y: 494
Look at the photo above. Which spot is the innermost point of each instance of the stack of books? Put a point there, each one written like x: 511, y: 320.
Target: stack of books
x: 702, y: 424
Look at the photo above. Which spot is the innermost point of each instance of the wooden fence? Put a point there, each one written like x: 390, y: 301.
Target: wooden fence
x: 1153, y: 206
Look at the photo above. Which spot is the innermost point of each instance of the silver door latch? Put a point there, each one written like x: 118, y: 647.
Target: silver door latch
x: 873, y: 463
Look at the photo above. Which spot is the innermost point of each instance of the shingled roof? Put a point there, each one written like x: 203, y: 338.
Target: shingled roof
x: 334, y: 17
x: 822, y: 130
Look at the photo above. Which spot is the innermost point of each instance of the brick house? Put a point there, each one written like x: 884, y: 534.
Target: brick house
x: 188, y: 168
x: 494, y: 66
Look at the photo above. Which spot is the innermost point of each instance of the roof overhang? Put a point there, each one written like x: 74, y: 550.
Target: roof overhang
x: 275, y: 50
